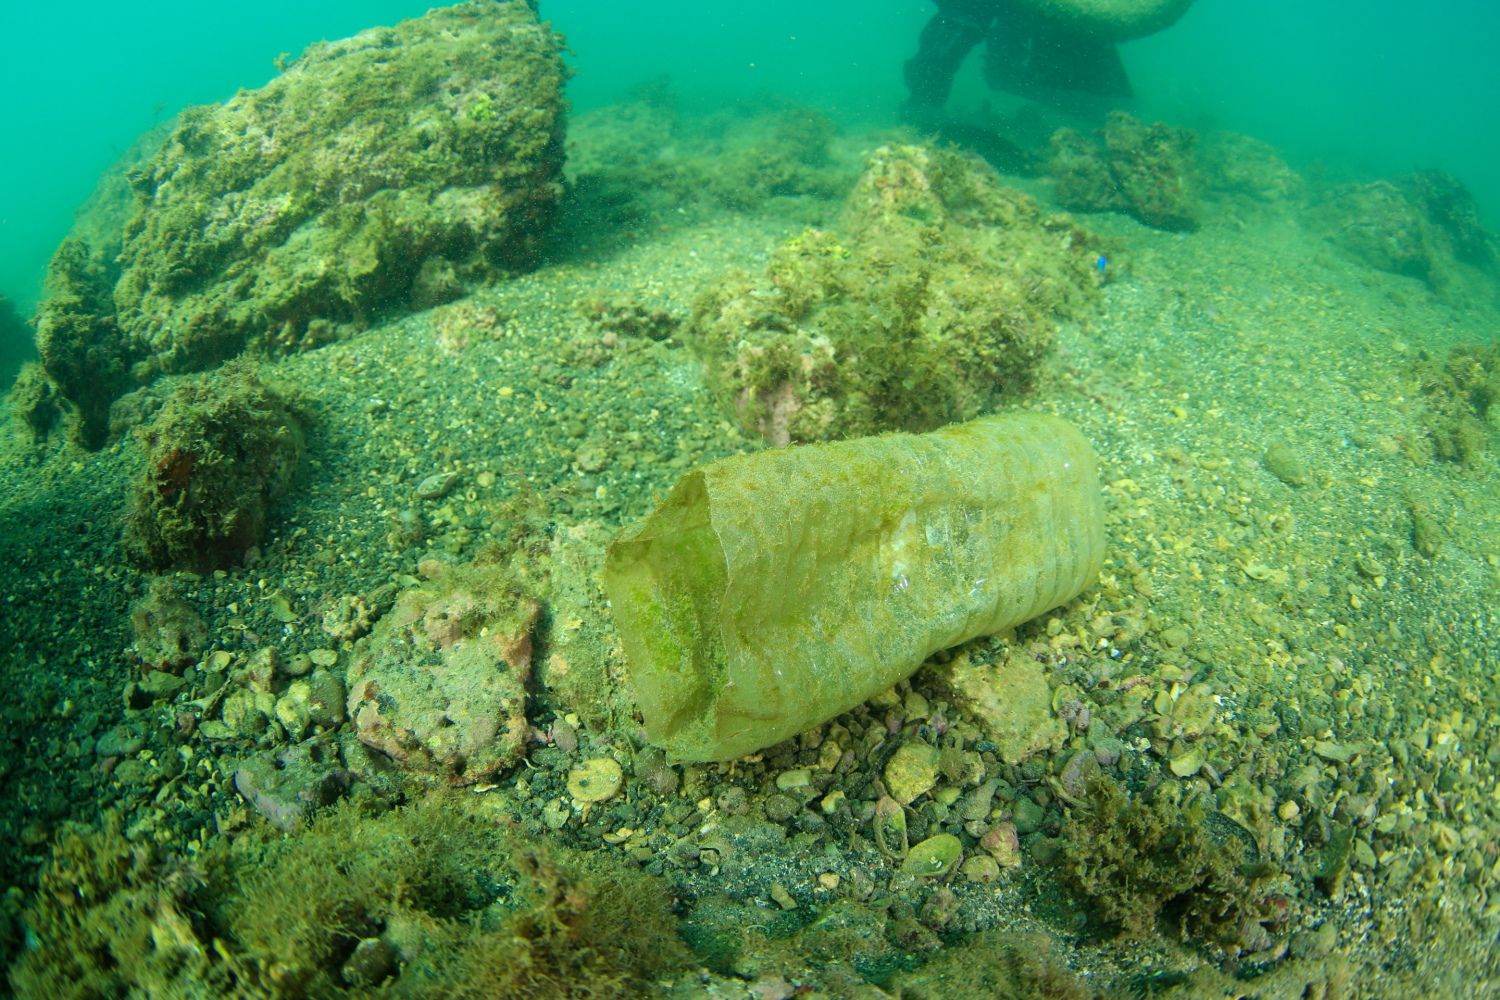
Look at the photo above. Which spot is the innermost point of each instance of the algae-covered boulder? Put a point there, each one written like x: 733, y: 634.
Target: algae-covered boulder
x: 442, y: 686
x: 1229, y: 163
x: 1114, y: 20
x: 379, y: 173
x: 1422, y: 225
x: 221, y: 450
x: 1141, y: 169
x: 935, y: 299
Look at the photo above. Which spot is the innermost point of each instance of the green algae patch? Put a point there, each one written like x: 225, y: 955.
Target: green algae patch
x: 1169, y: 856
x: 770, y: 592
x: 377, y: 174
x: 933, y: 301
x: 426, y: 901
x: 1463, y: 402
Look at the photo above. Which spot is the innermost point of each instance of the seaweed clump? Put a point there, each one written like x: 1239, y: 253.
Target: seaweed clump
x: 421, y: 902
x: 1141, y: 169
x: 1140, y: 862
x: 110, y: 916
x: 937, y: 298
x: 219, y: 453
x: 377, y: 174
x: 1007, y: 964
x: 1463, y: 400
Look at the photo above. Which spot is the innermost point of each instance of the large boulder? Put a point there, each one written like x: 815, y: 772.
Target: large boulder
x: 1135, y: 167
x: 385, y: 172
x: 935, y: 299
x: 1423, y: 225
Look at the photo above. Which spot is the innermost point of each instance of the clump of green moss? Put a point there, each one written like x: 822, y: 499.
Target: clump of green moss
x: 219, y: 453
x: 1007, y: 964
x: 1143, y: 169
x: 935, y: 300
x: 376, y: 174
x: 110, y: 917
x: 1463, y: 400
x: 1140, y: 861
x: 421, y: 902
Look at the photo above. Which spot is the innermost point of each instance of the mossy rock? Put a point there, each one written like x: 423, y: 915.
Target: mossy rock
x: 1423, y: 225
x: 221, y: 450
x: 935, y: 300
x: 1144, y: 169
x: 376, y: 174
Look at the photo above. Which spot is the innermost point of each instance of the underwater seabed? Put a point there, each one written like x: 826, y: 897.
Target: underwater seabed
x: 1256, y: 757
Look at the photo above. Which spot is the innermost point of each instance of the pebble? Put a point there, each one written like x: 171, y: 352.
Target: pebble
x: 1003, y: 845
x: 912, y: 770
x: 134, y: 772
x: 556, y: 814
x: 121, y: 741
x: 595, y: 780
x: 780, y: 808
x: 788, y: 780
x: 1027, y: 816
x: 372, y: 961
x: 1188, y: 763
x: 436, y: 486
x: 161, y: 685
x: 1334, y: 752
x: 976, y: 805
x: 1285, y: 464
x: 933, y: 857
x: 981, y: 868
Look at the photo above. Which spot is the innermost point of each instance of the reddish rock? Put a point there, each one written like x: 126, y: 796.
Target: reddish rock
x: 442, y: 689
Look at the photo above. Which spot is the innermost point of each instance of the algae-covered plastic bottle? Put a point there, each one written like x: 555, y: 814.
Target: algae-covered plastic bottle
x: 771, y: 592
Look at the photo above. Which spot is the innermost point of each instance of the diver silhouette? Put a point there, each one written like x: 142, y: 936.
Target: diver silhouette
x: 1046, y: 50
